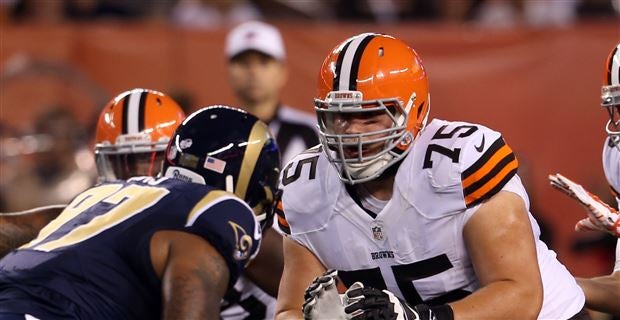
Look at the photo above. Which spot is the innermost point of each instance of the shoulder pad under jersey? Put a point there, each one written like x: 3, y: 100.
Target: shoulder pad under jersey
x: 310, y: 186
x: 454, y: 166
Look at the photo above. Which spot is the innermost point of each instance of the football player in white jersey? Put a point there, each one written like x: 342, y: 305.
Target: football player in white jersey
x: 603, y: 293
x: 420, y: 221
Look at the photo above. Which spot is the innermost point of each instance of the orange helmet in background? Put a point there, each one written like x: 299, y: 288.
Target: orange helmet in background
x: 371, y: 73
x: 610, y: 94
x: 133, y: 131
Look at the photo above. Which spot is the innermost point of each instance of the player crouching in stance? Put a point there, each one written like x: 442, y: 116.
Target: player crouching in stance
x: 146, y: 247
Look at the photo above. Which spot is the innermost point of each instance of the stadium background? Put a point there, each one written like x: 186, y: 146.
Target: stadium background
x: 539, y: 86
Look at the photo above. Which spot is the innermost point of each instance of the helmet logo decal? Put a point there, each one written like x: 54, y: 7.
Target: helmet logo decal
x: 183, y: 174
x: 178, y: 175
x: 215, y: 164
x: 186, y: 143
x: 243, y: 242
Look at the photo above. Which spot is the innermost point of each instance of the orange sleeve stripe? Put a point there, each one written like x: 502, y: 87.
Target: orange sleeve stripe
x: 488, y: 166
x: 283, y: 221
x: 497, y: 180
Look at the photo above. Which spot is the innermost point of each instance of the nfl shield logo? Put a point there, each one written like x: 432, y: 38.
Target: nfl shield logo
x: 377, y: 233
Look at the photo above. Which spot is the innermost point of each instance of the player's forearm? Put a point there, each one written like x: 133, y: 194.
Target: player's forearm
x: 186, y: 297
x: 500, y: 300
x: 602, y: 293
x: 195, y: 277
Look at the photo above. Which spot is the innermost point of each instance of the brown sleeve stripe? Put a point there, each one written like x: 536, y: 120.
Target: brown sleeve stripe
x: 486, y: 170
x: 489, y: 174
x: 495, y: 146
x: 494, y: 185
x: 498, y: 162
x: 282, y: 223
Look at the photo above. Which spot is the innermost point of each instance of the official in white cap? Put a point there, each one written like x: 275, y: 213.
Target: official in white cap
x: 257, y: 73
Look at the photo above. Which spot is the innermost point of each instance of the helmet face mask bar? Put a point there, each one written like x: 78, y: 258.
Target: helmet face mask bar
x: 610, y: 96
x: 353, y: 153
x: 116, y: 162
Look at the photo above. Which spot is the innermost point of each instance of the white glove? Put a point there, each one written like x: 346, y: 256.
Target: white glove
x: 323, y: 300
x: 601, y: 216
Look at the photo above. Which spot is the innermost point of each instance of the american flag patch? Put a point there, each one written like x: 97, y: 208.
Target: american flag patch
x: 215, y: 164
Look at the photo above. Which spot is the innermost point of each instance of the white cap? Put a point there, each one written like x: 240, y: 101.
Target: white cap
x: 255, y: 35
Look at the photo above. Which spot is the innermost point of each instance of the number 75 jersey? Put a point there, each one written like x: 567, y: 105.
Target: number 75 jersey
x: 414, y: 246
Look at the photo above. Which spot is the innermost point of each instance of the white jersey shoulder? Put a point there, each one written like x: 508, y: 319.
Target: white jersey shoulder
x: 452, y: 168
x: 310, y: 186
x: 611, y: 166
x: 457, y: 164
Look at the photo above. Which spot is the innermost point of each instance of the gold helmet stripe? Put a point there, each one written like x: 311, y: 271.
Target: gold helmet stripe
x: 258, y: 137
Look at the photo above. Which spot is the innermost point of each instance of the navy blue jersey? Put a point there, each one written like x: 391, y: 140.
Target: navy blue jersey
x: 93, y: 261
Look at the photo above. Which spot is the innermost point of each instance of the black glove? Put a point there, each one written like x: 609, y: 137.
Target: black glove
x: 366, y: 303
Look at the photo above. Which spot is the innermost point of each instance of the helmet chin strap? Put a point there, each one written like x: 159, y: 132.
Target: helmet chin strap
x: 367, y: 169
x: 229, y: 184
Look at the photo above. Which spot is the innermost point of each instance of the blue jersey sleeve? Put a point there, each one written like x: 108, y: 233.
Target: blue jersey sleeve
x: 229, y: 225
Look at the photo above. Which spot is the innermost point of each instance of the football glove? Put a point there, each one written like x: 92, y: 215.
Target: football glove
x: 367, y: 303
x: 601, y: 216
x: 322, y: 300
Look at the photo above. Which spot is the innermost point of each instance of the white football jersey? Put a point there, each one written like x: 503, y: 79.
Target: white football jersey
x: 247, y: 301
x: 611, y: 166
x: 414, y: 247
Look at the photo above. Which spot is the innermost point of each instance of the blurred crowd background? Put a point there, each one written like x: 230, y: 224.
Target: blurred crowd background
x: 531, y: 69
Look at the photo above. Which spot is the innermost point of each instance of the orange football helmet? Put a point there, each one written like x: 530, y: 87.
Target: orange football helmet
x: 371, y: 74
x: 132, y: 133
x: 610, y: 94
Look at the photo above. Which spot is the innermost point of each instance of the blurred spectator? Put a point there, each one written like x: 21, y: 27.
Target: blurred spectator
x: 550, y: 13
x: 212, y: 14
x: 62, y: 166
x: 55, y: 11
x: 497, y: 13
x: 598, y: 8
x: 389, y: 11
x: 34, y: 11
x: 257, y: 75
